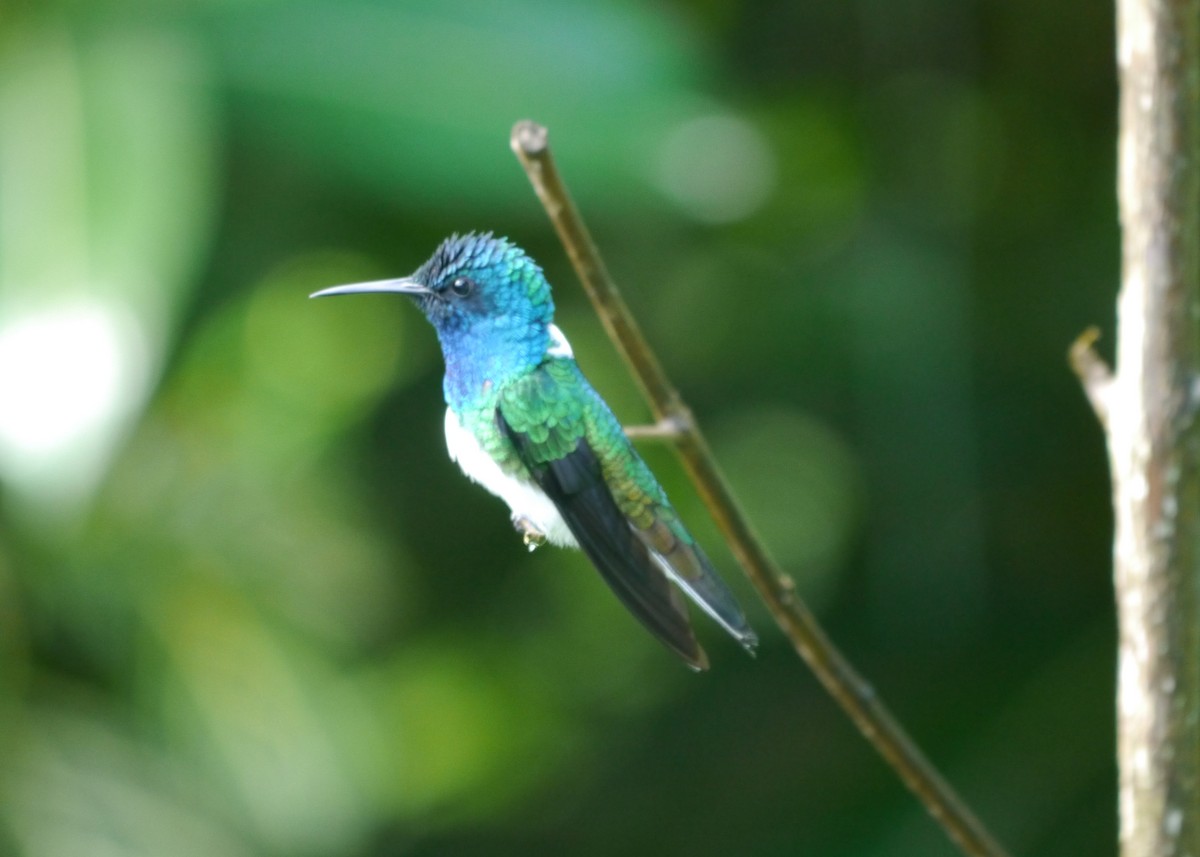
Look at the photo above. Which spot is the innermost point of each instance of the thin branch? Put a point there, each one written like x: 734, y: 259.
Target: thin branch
x: 663, y: 430
x: 857, y: 698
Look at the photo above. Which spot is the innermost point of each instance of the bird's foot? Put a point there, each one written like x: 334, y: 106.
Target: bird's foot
x: 530, y: 534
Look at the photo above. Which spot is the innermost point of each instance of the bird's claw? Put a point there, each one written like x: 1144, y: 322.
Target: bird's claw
x: 530, y: 534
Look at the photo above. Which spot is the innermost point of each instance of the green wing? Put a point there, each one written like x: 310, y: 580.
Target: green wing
x: 554, y: 421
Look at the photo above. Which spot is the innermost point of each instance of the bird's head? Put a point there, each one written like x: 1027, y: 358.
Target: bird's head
x: 481, y: 293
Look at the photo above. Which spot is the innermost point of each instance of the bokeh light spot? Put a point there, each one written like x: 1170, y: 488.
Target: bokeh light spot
x: 799, y: 483
x: 718, y: 168
x: 337, y: 352
x: 67, y: 374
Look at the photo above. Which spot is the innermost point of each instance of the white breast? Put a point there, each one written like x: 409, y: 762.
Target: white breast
x: 524, y: 498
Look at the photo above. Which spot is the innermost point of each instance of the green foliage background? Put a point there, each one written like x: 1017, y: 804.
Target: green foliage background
x: 247, y: 607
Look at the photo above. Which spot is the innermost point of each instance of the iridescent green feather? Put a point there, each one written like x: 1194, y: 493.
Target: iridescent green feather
x: 555, y: 407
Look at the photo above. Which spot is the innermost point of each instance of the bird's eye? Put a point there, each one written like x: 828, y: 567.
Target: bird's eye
x: 461, y: 287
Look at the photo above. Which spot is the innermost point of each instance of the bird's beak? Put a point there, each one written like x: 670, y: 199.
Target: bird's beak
x: 402, y: 286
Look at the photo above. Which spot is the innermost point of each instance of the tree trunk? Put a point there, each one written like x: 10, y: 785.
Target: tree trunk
x: 1153, y: 434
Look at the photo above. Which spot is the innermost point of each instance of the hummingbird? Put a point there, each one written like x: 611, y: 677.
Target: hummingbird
x: 523, y: 422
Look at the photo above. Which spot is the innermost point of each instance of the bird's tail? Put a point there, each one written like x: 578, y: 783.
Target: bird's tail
x: 687, y: 566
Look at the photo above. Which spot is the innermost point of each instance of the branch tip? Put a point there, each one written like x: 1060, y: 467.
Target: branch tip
x: 1093, y: 372
x: 529, y: 138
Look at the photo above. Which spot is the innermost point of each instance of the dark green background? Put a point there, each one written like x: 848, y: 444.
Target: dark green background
x: 251, y: 609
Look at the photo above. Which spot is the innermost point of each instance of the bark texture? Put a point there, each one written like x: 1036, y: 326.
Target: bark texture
x: 1150, y: 406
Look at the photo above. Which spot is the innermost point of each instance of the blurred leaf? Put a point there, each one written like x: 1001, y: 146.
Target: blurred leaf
x: 77, y: 785
x: 238, y: 703
x: 106, y: 171
x: 424, y: 93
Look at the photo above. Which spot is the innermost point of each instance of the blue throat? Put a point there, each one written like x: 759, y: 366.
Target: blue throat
x: 484, y: 358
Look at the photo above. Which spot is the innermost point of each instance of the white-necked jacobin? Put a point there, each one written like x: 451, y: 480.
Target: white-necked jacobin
x: 523, y: 422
